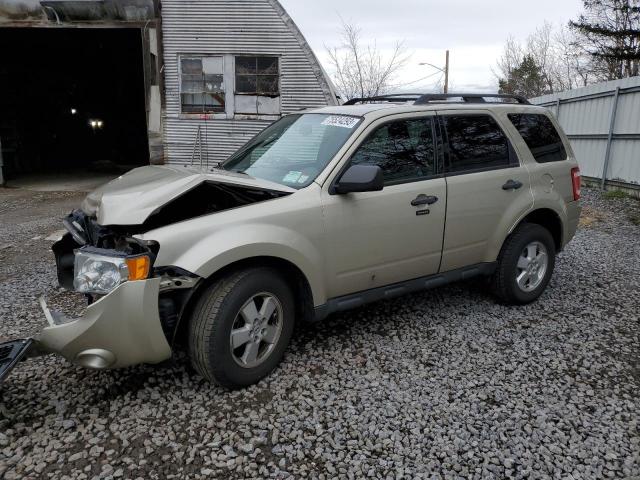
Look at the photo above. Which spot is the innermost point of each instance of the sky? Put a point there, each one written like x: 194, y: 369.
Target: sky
x: 474, y: 31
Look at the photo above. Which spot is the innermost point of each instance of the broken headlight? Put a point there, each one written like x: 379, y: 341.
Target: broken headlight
x: 101, y: 272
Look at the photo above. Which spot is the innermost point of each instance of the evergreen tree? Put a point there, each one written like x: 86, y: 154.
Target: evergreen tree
x: 610, y: 32
x: 526, y: 79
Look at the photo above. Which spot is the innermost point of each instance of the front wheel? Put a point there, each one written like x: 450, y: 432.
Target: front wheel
x: 241, y: 327
x: 525, y: 265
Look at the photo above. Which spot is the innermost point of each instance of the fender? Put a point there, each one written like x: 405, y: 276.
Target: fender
x: 499, y: 238
x: 235, y: 243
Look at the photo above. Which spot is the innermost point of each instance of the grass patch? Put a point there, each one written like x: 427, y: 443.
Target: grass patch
x: 590, y: 216
x: 611, y: 194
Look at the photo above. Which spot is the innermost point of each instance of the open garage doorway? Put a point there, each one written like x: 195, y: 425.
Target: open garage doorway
x: 72, y: 101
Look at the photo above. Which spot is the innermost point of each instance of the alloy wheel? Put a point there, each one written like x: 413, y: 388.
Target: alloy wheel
x: 256, y: 330
x: 532, y: 266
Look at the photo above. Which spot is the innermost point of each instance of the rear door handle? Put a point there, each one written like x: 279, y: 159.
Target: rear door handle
x: 512, y: 185
x: 423, y: 199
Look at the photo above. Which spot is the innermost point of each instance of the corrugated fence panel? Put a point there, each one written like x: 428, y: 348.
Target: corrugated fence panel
x: 589, y: 153
x: 585, y: 115
x: 225, y: 27
x: 625, y: 162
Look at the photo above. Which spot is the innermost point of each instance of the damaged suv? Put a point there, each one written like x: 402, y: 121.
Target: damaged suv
x: 323, y: 211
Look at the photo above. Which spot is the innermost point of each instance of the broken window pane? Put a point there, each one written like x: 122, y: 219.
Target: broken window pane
x: 246, y: 83
x: 268, y: 84
x: 200, y: 92
x: 213, y: 83
x: 268, y: 65
x: 245, y: 65
x: 258, y: 76
x: 191, y: 65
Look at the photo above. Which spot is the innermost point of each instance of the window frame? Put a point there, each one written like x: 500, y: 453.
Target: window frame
x: 514, y: 160
x: 372, y: 128
x: 200, y: 56
x: 257, y: 75
x: 231, y: 112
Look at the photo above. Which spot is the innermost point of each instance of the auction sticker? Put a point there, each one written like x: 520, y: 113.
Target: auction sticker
x: 292, y: 177
x: 343, y: 121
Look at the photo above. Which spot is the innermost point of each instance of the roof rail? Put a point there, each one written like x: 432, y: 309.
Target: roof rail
x: 396, y: 97
x: 468, y: 98
x: 424, y: 99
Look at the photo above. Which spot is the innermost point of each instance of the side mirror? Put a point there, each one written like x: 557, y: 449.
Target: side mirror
x: 360, y: 178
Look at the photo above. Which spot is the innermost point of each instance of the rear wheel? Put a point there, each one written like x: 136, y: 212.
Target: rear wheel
x: 525, y: 264
x: 241, y: 327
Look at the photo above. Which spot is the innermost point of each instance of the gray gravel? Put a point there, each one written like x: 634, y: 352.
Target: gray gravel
x: 445, y: 384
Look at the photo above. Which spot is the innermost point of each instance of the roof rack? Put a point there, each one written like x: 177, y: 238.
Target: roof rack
x: 469, y: 98
x: 396, y: 97
x: 424, y: 99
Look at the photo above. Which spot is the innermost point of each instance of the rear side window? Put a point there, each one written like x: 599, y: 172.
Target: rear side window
x: 540, y: 136
x: 476, y: 142
x: 404, y: 150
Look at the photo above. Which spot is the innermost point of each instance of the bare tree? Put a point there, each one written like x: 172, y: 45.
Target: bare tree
x: 363, y: 70
x: 511, y: 58
x: 573, y: 68
x: 554, y: 57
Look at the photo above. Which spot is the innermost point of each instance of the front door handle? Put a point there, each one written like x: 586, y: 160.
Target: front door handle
x: 512, y: 185
x: 423, y: 199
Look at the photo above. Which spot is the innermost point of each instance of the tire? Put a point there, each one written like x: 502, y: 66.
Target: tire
x: 224, y: 307
x: 515, y: 281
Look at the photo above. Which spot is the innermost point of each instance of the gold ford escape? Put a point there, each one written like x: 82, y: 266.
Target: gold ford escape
x: 323, y: 211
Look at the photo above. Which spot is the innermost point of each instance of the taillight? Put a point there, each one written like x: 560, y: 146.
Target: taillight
x: 575, y: 180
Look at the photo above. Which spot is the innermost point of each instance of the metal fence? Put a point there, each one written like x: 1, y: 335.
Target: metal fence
x: 603, y: 123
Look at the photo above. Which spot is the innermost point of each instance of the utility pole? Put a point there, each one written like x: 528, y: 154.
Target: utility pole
x: 444, y: 70
x: 446, y: 74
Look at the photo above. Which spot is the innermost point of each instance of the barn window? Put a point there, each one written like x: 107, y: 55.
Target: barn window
x: 202, y: 85
x: 257, y: 76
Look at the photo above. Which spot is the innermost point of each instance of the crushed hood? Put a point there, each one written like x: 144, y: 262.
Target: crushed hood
x: 131, y: 198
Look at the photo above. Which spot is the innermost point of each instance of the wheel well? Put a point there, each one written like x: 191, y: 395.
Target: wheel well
x: 290, y: 273
x: 548, y: 219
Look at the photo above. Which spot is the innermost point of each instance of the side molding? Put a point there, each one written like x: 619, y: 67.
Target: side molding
x: 355, y: 300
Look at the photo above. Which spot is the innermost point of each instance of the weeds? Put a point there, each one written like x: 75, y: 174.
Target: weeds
x: 611, y: 194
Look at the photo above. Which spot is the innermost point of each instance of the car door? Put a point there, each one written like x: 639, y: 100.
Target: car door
x: 378, y: 238
x: 488, y: 189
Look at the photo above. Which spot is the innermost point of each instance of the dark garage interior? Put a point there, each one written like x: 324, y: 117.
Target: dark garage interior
x: 72, y: 100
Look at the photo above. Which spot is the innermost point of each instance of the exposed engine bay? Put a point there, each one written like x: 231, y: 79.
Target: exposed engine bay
x: 86, y: 237
x: 205, y: 198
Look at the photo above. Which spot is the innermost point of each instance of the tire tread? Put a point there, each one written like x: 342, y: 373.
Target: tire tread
x: 203, y: 326
x: 501, y: 279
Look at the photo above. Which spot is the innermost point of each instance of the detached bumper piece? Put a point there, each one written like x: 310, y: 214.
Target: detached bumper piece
x: 11, y: 353
x: 120, y: 329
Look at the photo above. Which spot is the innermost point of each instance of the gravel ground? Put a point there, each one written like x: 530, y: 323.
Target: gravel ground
x: 445, y: 384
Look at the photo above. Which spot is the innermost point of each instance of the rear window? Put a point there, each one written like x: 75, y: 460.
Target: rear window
x: 476, y: 142
x: 540, y: 136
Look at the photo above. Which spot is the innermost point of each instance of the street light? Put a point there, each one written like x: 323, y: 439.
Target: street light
x: 444, y: 70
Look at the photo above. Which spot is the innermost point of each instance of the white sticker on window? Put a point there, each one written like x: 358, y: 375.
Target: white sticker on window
x: 292, y: 177
x: 343, y: 121
x: 303, y: 178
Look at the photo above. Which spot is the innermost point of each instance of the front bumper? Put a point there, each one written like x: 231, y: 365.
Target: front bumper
x: 121, y: 329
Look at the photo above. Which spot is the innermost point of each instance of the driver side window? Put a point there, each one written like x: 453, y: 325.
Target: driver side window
x: 403, y: 149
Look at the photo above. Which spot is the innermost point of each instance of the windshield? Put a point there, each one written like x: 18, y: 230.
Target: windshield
x: 294, y: 150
